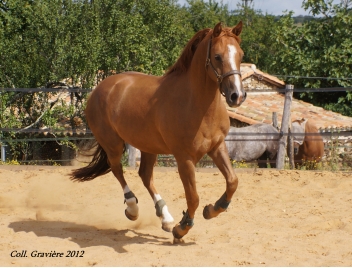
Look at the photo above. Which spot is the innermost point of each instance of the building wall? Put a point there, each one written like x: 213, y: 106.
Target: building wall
x: 254, y: 83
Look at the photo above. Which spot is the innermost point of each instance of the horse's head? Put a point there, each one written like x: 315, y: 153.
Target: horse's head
x: 298, y: 128
x: 224, y: 56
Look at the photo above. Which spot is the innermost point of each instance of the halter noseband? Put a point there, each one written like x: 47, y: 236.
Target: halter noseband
x: 218, y: 76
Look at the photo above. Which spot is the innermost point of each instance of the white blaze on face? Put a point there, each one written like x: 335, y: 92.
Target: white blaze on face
x: 232, y: 52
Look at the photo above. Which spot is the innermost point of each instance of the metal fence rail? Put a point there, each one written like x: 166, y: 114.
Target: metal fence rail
x: 55, y: 146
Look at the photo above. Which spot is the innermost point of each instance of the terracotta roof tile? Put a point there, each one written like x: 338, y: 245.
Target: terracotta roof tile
x: 259, y: 106
x: 274, y: 102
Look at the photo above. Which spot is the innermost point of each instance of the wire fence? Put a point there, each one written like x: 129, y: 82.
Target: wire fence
x: 251, y: 90
x: 337, y: 153
x: 64, y: 151
x: 59, y: 146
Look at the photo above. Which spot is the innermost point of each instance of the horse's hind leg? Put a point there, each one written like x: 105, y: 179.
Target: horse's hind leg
x: 222, y: 161
x: 114, y: 152
x: 146, y: 173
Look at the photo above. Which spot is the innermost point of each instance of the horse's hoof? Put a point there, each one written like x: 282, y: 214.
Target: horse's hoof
x: 167, y: 226
x: 178, y: 241
x: 176, y: 234
x: 206, y: 213
x: 130, y: 217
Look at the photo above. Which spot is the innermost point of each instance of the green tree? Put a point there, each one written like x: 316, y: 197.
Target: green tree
x: 256, y: 35
x: 319, y: 48
x: 206, y: 14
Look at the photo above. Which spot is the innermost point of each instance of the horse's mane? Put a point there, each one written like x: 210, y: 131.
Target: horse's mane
x: 184, y: 61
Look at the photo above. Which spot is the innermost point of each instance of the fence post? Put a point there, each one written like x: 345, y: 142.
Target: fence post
x: 3, y: 152
x: 274, y: 118
x: 290, y: 147
x: 280, y: 160
x: 65, y: 155
x: 131, y: 155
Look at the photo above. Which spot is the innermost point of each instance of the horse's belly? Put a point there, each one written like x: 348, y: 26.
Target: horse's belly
x: 245, y: 150
x: 144, y: 140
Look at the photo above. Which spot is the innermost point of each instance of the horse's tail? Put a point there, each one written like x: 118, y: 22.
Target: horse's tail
x: 97, y: 167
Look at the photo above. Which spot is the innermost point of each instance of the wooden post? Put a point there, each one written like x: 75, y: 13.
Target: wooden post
x: 290, y: 146
x: 65, y: 155
x: 131, y: 155
x: 274, y: 118
x: 280, y: 161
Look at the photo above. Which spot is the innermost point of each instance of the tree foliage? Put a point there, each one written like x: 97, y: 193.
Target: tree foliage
x: 83, y: 41
x: 256, y: 36
x: 319, y: 48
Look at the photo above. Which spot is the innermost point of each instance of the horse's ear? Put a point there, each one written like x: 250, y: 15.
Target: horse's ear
x: 237, y: 29
x: 304, y: 122
x: 217, y: 29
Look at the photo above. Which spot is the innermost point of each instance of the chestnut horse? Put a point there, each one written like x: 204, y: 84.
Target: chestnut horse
x: 308, y: 145
x: 180, y: 113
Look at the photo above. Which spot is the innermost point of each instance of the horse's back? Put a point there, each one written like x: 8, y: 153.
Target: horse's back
x: 122, y: 94
x: 244, y: 146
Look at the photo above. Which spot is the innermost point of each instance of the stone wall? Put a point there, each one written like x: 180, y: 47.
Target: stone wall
x: 255, y: 83
x: 339, y: 149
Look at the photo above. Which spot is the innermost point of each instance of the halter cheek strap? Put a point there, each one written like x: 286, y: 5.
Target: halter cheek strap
x: 218, y: 76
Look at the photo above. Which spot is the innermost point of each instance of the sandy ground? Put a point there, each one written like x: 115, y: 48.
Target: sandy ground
x: 276, y: 218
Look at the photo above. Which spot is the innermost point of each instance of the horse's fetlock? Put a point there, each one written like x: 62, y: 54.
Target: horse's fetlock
x: 159, y: 207
x: 222, y: 204
x: 132, y: 202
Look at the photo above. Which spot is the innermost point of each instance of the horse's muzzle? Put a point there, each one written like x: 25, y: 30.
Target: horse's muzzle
x: 295, y: 151
x: 234, y: 100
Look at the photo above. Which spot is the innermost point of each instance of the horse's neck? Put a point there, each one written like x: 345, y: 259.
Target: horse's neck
x: 202, y: 87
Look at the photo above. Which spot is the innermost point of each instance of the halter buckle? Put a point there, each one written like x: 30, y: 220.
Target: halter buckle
x: 207, y: 62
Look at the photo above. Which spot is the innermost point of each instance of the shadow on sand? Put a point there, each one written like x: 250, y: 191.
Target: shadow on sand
x: 90, y: 236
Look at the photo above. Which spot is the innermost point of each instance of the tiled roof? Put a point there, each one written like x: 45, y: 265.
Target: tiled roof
x: 259, y: 107
x: 248, y: 70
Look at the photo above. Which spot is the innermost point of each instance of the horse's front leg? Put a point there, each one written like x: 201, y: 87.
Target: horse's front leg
x: 221, y: 159
x: 187, y: 173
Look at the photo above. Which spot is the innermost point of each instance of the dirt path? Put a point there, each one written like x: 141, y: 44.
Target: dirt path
x: 276, y: 218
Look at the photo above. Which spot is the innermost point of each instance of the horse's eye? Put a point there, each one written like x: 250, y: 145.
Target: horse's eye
x: 217, y: 57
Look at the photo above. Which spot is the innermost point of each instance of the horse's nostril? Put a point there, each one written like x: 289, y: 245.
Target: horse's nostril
x: 234, y: 97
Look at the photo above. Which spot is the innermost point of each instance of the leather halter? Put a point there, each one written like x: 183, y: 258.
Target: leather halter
x: 218, y: 76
